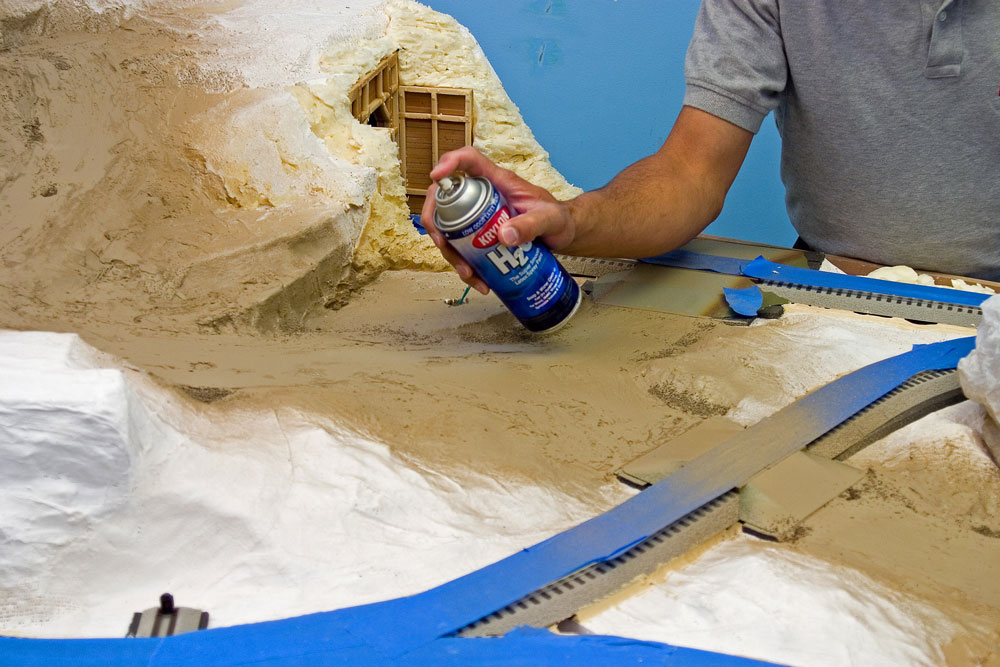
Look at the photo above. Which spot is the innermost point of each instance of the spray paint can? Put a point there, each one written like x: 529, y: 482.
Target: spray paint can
x: 528, y: 278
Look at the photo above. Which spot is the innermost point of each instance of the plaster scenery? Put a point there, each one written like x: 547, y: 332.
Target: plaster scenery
x: 186, y: 190
x: 198, y: 163
x: 980, y: 374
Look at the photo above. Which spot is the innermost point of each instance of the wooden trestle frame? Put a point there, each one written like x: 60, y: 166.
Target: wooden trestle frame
x: 435, y: 121
x: 424, y: 121
x: 377, y: 94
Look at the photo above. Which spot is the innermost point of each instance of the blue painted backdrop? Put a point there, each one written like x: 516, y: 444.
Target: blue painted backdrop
x: 600, y: 82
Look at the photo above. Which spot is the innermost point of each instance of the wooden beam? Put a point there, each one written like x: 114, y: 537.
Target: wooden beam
x: 432, y: 89
x: 401, y: 114
x: 433, y: 116
x: 435, y: 156
x: 471, y: 121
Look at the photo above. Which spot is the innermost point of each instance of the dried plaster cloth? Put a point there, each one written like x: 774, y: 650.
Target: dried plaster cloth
x: 979, y: 373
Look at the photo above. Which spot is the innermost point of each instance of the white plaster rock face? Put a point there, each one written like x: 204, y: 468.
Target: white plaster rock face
x: 267, y: 156
x: 979, y: 372
x: 67, y: 438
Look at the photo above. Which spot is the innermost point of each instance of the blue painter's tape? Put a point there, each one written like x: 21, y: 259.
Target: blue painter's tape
x: 686, y: 259
x: 762, y: 269
x: 311, y: 640
x: 415, y: 221
x: 745, y: 301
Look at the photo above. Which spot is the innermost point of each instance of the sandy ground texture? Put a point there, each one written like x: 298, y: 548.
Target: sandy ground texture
x: 463, y: 391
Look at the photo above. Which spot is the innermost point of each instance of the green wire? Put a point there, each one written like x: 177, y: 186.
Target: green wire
x: 464, y: 294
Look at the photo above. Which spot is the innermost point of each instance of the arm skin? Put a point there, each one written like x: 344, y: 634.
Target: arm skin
x: 653, y: 206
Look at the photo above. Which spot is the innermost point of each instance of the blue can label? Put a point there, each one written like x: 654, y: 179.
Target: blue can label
x: 527, y: 278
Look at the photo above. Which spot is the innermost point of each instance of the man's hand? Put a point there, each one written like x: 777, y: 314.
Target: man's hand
x: 653, y: 206
x: 537, y: 213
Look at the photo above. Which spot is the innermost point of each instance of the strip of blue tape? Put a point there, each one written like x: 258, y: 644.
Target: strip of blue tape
x: 417, y: 224
x: 746, y: 301
x: 415, y: 630
x: 686, y: 259
x: 762, y: 269
x: 320, y: 639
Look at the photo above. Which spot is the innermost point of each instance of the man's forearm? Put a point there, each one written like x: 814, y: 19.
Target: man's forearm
x: 646, y: 210
x: 662, y: 201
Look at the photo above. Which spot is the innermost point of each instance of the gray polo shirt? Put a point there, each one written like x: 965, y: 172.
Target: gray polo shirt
x: 889, y: 113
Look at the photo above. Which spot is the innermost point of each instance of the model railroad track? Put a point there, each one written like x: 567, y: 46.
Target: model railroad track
x: 858, y: 301
x: 922, y: 394
x: 876, y: 304
x: 594, y: 267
